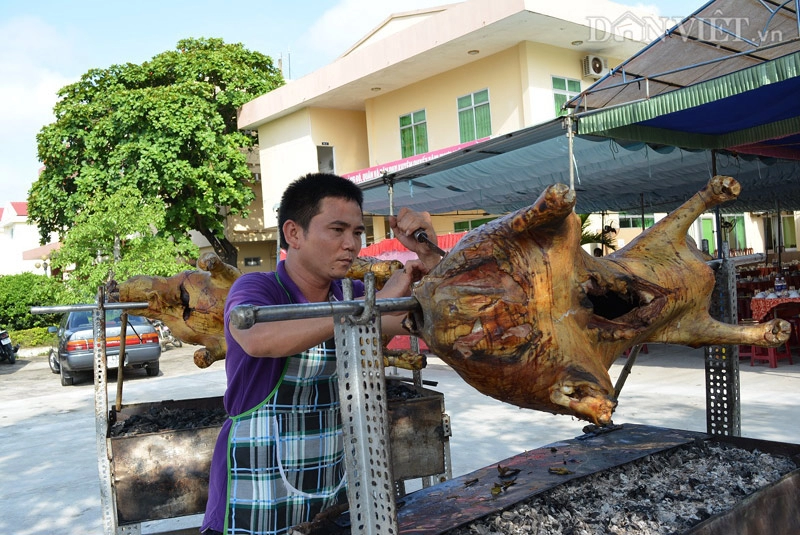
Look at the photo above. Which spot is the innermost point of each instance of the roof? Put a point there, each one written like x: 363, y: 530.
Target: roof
x: 727, y: 76
x: 509, y: 172
x: 720, y: 38
x: 14, y: 209
x: 42, y: 252
x: 21, y: 208
x: 652, y: 132
x: 440, y: 43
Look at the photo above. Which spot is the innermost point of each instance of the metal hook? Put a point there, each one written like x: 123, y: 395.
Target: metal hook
x: 368, y: 313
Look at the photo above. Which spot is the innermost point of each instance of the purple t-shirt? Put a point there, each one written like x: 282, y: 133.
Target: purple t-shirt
x: 250, y: 379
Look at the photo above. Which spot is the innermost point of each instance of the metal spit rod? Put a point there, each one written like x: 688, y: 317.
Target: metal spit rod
x: 245, y: 316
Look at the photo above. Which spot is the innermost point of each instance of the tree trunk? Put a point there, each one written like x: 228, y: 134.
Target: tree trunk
x: 225, y: 250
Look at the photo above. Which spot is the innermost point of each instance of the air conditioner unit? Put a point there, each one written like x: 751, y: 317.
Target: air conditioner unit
x: 594, y: 67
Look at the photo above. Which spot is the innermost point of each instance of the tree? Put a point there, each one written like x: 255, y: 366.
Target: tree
x: 116, y: 237
x: 166, y: 127
x: 602, y: 238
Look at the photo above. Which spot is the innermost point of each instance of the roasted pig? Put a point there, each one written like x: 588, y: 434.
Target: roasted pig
x: 525, y: 315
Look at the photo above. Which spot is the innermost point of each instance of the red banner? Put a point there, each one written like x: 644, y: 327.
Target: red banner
x: 377, y: 171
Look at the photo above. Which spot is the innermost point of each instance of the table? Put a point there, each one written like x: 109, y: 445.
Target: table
x: 760, y: 307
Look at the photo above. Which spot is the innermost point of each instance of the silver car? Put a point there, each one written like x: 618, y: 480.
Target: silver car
x: 74, y: 350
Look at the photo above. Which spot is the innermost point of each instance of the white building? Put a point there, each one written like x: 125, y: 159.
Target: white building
x: 19, y: 242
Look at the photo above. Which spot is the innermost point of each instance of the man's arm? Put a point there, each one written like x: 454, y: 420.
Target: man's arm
x: 277, y: 339
x: 405, y: 224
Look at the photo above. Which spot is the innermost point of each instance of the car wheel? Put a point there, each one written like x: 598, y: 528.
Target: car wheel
x: 52, y: 359
x: 152, y: 369
x: 66, y: 378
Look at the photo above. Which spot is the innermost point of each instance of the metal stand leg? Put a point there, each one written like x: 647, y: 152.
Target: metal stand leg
x: 723, y: 401
x: 365, y: 418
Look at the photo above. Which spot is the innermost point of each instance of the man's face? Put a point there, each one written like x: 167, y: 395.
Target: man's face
x: 333, y: 239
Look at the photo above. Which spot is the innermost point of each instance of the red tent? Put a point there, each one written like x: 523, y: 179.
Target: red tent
x: 392, y: 249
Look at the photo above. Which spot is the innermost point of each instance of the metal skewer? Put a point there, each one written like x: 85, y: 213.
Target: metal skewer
x: 422, y: 237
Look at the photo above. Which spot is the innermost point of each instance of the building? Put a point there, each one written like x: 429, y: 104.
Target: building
x: 19, y: 242
x: 427, y: 82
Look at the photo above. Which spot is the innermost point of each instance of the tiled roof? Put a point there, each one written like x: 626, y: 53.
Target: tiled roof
x: 21, y: 208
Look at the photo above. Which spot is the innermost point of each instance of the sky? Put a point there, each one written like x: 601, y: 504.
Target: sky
x: 48, y: 44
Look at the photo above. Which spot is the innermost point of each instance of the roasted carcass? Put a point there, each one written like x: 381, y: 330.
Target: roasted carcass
x: 192, y: 304
x: 382, y: 269
x: 526, y: 316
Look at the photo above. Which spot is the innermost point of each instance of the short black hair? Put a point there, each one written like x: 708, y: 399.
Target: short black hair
x: 302, y: 199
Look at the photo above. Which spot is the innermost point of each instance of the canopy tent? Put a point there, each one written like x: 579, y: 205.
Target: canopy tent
x: 503, y: 175
x: 717, y: 93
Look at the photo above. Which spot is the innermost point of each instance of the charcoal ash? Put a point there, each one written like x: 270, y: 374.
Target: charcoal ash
x: 161, y: 418
x: 400, y: 391
x: 665, y: 493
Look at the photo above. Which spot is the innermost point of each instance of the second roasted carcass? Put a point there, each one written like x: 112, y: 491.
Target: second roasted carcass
x: 526, y: 316
x: 192, y: 304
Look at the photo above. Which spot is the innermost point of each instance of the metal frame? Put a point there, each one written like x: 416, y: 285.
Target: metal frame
x: 362, y: 387
x: 723, y: 392
x: 108, y: 500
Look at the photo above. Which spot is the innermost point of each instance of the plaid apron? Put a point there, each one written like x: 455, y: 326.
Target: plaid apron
x: 285, y: 456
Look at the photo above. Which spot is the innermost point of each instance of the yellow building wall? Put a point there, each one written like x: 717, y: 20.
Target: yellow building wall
x: 346, y: 132
x: 520, y: 95
x: 438, y: 96
x: 289, y: 149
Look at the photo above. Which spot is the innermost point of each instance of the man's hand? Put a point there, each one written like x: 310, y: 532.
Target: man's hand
x: 405, y: 224
x: 399, y: 284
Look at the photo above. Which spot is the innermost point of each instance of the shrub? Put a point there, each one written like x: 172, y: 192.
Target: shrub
x: 18, y: 293
x: 36, y: 337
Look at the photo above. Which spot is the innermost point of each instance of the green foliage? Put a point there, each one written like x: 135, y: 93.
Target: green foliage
x: 595, y: 237
x: 116, y: 237
x: 166, y: 127
x: 18, y: 293
x: 36, y: 337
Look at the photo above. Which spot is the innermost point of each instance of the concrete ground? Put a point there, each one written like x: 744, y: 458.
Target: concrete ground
x: 48, y: 439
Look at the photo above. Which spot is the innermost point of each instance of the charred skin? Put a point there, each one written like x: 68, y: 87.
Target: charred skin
x: 191, y: 303
x: 526, y: 316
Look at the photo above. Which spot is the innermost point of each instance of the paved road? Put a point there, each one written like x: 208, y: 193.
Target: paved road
x: 48, y: 455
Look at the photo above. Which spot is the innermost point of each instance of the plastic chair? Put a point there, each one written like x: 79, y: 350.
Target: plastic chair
x: 771, y: 354
x: 746, y: 352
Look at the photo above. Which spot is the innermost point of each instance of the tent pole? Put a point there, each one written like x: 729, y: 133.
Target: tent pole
x: 780, y: 234
x: 389, y: 181
x: 717, y: 213
x: 641, y: 203
x: 603, y: 229
x: 570, y: 137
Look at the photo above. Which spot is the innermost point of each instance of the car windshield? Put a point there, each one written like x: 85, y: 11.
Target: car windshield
x: 83, y: 320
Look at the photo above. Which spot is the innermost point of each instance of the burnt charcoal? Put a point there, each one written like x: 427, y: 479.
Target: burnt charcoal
x: 399, y: 391
x: 655, y: 495
x: 158, y: 419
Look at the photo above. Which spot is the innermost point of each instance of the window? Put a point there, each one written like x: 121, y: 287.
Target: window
x: 627, y: 220
x: 788, y: 235
x: 733, y: 232
x: 461, y: 226
x: 474, y: 119
x: 563, y: 90
x: 413, y: 134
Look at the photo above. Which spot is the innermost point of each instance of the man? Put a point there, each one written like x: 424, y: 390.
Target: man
x: 279, y: 458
